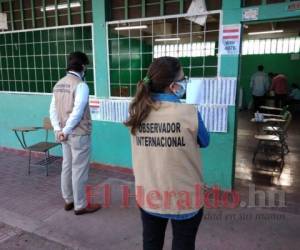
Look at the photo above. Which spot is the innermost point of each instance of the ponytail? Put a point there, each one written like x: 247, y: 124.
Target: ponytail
x: 160, y: 75
x: 141, y: 106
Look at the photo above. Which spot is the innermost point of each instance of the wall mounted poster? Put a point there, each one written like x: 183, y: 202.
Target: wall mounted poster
x: 230, y: 39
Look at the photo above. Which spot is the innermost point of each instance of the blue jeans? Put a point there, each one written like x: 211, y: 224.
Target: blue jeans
x: 184, y: 231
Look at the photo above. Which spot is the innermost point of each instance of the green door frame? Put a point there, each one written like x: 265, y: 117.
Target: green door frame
x: 230, y: 65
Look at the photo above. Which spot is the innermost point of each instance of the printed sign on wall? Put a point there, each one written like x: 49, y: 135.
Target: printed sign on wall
x: 230, y: 39
x: 95, y: 108
x: 250, y: 14
x: 294, y: 6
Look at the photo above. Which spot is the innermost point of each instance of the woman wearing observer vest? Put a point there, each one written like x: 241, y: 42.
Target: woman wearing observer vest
x: 166, y: 136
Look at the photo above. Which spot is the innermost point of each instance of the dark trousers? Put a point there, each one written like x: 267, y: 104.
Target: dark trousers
x: 257, y: 102
x: 280, y: 100
x: 184, y: 231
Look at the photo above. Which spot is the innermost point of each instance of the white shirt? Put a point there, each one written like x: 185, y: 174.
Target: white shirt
x: 81, y: 100
x: 259, y: 83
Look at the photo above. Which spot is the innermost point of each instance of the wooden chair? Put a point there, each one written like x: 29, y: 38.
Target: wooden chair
x: 42, y: 147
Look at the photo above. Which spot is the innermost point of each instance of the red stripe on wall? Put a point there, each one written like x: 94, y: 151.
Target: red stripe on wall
x: 230, y: 37
x: 230, y: 30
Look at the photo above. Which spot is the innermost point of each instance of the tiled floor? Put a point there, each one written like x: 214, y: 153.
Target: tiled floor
x: 265, y: 175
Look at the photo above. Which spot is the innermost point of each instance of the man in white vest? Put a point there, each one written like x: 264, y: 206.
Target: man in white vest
x: 71, y: 120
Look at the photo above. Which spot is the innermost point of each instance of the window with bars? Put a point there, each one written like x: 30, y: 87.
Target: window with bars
x: 271, y: 46
x: 34, y: 60
x: 29, y: 14
x: 128, y: 9
x: 41, y: 34
x: 134, y: 44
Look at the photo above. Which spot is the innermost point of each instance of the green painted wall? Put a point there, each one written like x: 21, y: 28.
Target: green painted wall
x: 230, y: 68
x: 110, y: 141
x: 276, y: 63
x: 100, y: 10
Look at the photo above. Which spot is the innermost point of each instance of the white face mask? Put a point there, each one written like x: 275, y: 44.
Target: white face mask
x: 182, y: 87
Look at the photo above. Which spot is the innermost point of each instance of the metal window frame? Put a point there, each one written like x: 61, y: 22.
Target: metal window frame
x: 12, y: 21
x: 220, y: 12
x: 143, y: 5
x: 52, y: 28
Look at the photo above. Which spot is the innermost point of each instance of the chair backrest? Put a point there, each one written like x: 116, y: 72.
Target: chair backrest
x: 47, y: 124
x: 288, y: 117
x: 285, y: 109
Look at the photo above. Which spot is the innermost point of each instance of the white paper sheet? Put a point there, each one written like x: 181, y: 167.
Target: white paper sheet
x: 211, y: 91
x: 214, y: 116
x: 194, y: 92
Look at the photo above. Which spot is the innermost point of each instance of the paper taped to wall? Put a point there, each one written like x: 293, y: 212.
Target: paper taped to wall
x: 214, y: 116
x: 194, y: 93
x: 211, y: 91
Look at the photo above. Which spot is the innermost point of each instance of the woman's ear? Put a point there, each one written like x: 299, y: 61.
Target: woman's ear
x: 171, y: 87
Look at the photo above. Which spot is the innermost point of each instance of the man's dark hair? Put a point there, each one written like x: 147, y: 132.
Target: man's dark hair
x: 260, y: 67
x: 295, y: 86
x: 76, y: 60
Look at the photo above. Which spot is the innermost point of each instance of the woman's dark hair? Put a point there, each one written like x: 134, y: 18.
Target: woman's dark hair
x: 76, y: 60
x: 161, y: 73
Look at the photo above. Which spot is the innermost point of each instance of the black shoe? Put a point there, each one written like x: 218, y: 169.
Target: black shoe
x: 69, y: 206
x: 90, y: 209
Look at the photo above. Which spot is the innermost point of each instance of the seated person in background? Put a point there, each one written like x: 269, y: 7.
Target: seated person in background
x: 280, y: 87
x: 295, y: 92
x: 259, y: 85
